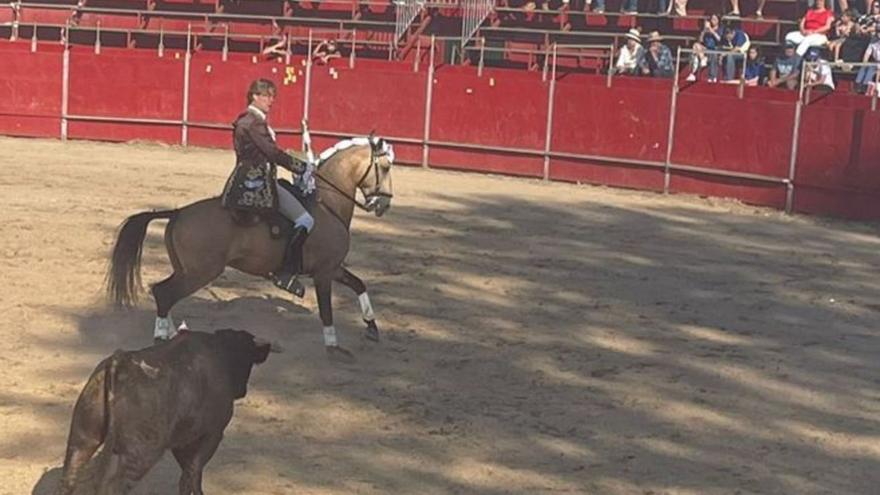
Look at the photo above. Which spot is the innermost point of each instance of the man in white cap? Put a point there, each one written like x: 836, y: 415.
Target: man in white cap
x: 630, y: 54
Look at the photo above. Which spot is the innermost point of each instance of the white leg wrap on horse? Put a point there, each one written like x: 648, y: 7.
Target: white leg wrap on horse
x: 164, y: 328
x: 366, y: 307
x: 330, y: 336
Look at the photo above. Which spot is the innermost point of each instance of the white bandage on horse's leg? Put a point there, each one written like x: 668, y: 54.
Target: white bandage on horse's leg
x: 330, y: 336
x: 164, y: 328
x: 366, y: 307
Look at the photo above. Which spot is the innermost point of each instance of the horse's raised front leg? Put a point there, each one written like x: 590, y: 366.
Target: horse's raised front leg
x: 352, y: 281
x: 324, y: 293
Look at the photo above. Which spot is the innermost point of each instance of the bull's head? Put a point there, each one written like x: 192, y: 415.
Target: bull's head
x: 243, y: 351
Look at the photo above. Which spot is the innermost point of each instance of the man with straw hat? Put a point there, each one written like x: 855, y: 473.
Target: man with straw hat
x: 657, y: 61
x: 630, y: 53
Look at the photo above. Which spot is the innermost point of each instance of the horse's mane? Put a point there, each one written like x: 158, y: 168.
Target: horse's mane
x: 384, y: 148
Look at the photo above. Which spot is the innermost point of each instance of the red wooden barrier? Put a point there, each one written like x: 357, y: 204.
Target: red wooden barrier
x: 502, y: 108
x: 622, y: 130
x: 31, y: 88
x: 125, y: 83
x: 626, y: 121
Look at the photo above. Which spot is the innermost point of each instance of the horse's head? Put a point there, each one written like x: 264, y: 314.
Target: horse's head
x: 376, y: 182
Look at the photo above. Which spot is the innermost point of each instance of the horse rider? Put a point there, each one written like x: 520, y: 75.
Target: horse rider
x: 252, y: 185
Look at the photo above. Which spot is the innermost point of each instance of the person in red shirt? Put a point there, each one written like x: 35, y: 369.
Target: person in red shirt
x: 814, y: 28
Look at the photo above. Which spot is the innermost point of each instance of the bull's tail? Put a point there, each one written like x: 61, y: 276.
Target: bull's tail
x: 124, y: 274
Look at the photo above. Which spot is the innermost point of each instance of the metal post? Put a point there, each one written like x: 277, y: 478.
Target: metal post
x: 34, y: 40
x: 610, y: 67
x: 672, y: 110
x: 287, y: 52
x: 482, y: 54
x: 65, y: 89
x: 418, y: 56
x: 97, y: 38
x: 353, y: 48
x: 161, y: 41
x: 548, y: 136
x: 226, y: 43
x: 796, y: 127
x: 740, y: 92
x: 307, y: 94
x: 546, y: 64
x: 429, y: 94
x: 184, y: 129
x: 876, y: 88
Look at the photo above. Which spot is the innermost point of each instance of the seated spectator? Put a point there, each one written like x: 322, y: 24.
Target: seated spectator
x: 679, y: 7
x: 736, y: 42
x: 755, y: 72
x: 734, y: 8
x: 325, y: 50
x: 786, y: 69
x: 626, y: 7
x: 630, y: 54
x: 814, y: 28
x: 699, y: 60
x: 868, y: 23
x: 818, y: 75
x: 843, y: 29
x: 657, y: 61
x: 867, y: 77
x: 710, y: 39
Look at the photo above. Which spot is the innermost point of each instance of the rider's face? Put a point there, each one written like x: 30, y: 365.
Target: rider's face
x: 264, y: 101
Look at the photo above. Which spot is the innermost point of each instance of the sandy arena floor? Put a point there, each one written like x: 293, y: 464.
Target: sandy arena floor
x: 538, y: 338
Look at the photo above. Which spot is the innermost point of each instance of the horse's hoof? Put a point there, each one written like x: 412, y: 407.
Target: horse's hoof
x: 372, y: 332
x: 339, y: 354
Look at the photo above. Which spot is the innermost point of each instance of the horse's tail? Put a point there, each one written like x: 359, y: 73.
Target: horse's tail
x: 124, y: 274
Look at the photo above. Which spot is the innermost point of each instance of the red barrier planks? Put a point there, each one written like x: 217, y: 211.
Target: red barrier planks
x: 720, y: 132
x: 501, y: 108
x: 31, y: 88
x: 357, y: 101
x: 129, y: 84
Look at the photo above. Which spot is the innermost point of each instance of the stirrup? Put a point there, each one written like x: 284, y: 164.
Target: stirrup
x: 290, y: 283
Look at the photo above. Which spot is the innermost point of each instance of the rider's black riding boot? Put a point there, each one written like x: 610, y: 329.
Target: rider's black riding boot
x: 286, y: 277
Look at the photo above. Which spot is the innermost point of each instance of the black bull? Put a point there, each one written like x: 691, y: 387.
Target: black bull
x: 176, y: 395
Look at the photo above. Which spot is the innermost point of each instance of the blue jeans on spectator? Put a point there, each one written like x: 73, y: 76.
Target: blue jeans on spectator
x: 866, y: 74
x: 730, y: 65
x: 629, y: 6
x: 662, y: 6
x: 598, y: 5
x: 713, y: 67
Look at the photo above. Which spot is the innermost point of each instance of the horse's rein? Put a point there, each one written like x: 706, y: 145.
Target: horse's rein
x: 374, y: 166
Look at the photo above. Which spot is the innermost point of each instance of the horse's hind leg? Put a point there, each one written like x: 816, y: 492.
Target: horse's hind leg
x: 352, y: 281
x: 171, y: 290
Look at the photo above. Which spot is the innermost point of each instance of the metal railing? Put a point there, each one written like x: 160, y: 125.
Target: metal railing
x: 406, y: 13
x: 474, y: 12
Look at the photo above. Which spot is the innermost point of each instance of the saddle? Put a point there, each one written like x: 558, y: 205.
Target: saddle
x: 279, y: 226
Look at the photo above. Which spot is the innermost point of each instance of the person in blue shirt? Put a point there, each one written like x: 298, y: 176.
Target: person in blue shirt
x: 657, y: 60
x: 710, y: 38
x: 756, y: 72
x: 786, y: 70
x: 735, y: 41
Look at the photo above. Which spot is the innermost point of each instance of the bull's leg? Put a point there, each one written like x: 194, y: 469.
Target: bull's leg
x: 75, y: 460
x: 192, y: 459
x: 352, y: 281
x: 174, y: 288
x: 324, y: 293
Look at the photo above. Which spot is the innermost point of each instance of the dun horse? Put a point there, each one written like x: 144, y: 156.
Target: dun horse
x: 203, y: 238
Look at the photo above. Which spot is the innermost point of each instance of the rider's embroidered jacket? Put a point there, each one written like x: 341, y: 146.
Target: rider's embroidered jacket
x: 252, y: 183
